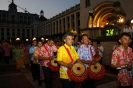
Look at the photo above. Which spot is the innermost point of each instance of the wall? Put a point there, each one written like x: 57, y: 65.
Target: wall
x: 107, y: 51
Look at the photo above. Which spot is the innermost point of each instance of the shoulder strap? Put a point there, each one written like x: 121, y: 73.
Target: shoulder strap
x: 68, y: 53
x: 47, y: 50
x: 91, y: 53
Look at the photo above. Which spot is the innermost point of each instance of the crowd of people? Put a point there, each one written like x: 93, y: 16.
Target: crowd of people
x: 40, y: 53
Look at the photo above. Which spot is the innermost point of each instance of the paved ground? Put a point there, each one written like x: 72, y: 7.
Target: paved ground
x: 12, y: 78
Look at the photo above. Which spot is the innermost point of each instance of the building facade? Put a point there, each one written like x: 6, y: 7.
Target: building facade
x: 88, y: 17
x: 66, y: 20
x: 15, y: 24
x: 79, y: 18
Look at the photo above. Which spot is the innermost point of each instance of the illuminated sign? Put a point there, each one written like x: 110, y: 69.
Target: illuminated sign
x: 110, y: 32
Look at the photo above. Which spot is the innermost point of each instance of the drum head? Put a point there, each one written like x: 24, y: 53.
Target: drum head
x: 78, y: 69
x: 96, y: 68
x: 54, y: 62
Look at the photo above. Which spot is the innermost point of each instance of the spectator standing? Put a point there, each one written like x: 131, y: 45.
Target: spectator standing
x: 100, y: 49
x: 37, y: 62
x: 128, y: 29
x: 33, y: 66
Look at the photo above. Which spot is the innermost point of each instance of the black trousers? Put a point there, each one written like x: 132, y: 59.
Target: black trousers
x: 125, y: 86
x: 1, y: 56
x: 48, y: 75
x: 38, y: 73
x: 34, y: 70
x: 67, y: 83
x: 101, y: 61
x: 6, y: 59
x: 88, y: 83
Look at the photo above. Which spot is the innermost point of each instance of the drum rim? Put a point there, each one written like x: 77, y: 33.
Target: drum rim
x: 96, y: 72
x: 53, y: 61
x: 80, y: 74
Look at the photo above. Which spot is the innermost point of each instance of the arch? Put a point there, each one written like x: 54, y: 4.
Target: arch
x: 101, y: 12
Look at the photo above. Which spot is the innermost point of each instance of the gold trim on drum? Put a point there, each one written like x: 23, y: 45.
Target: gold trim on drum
x: 78, y: 69
x: 95, y: 69
x: 54, y: 62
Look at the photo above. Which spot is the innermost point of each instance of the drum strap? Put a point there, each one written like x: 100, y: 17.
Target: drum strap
x: 91, y: 53
x: 47, y: 50
x: 69, y: 53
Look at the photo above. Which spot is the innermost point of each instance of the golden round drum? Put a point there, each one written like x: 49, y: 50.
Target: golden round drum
x: 53, y: 65
x: 96, y: 71
x: 77, y: 73
x: 78, y: 69
x: 54, y: 62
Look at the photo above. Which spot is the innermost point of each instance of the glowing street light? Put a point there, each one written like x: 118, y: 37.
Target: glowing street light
x: 34, y: 38
x: 42, y: 38
x: 132, y: 21
x: 46, y: 39
x: 17, y: 39
x: 27, y: 39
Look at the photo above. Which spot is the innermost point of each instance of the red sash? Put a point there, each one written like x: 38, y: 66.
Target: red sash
x: 69, y: 54
x: 91, y: 54
x: 47, y: 50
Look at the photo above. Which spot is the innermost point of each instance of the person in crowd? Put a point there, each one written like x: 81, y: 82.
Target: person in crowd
x: 22, y: 48
x: 26, y: 53
x: 6, y: 50
x: 36, y: 61
x: 65, y: 61
x: 46, y: 55
x: 86, y: 53
x: 100, y: 49
x: 1, y: 52
x: 57, y: 43
x: 116, y: 45
x: 122, y: 59
x: 17, y: 56
x: 75, y: 45
x: 33, y: 66
x: 128, y: 29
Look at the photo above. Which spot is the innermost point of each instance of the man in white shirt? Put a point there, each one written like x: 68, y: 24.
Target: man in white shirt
x: 128, y: 29
x: 100, y: 49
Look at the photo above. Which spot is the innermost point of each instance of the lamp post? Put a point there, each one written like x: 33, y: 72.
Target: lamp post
x: 91, y: 13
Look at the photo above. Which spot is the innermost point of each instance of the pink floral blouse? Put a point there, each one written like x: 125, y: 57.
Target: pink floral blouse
x: 47, y: 53
x: 122, y: 57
